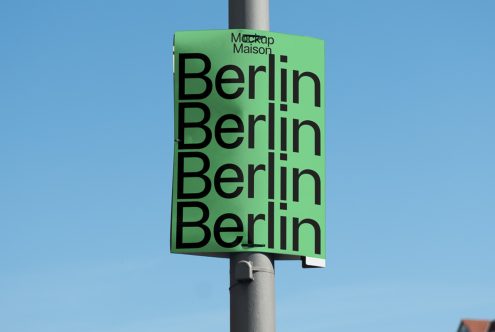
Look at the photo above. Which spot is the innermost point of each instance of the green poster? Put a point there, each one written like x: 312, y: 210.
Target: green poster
x: 249, y: 157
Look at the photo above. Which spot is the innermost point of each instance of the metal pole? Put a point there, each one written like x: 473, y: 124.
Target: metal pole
x: 252, y: 275
x: 249, y: 14
x: 252, y: 293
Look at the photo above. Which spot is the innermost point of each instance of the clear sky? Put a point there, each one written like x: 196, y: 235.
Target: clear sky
x: 86, y: 141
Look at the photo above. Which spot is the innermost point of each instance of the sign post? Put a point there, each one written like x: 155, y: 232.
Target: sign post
x: 252, y: 296
x: 249, y: 162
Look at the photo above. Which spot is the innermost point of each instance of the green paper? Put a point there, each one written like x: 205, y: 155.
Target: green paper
x: 249, y: 157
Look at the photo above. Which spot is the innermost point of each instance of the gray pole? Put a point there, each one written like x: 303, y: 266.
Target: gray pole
x: 249, y: 14
x: 252, y: 275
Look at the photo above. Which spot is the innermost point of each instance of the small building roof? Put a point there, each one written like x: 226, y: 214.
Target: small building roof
x: 476, y: 325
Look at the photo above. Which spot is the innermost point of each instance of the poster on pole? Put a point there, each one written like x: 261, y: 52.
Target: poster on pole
x: 249, y: 156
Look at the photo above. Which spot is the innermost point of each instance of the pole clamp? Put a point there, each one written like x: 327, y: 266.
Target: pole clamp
x: 244, y: 271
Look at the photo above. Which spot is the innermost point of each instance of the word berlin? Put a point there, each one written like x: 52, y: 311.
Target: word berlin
x: 197, y: 82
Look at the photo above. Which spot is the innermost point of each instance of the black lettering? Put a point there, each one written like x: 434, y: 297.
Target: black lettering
x: 200, y: 75
x: 251, y: 173
x: 251, y: 125
x: 271, y: 126
x: 239, y: 177
x: 271, y: 225
x: 181, y: 224
x: 252, y: 79
x: 183, y: 106
x: 182, y: 175
x: 295, y: 233
x: 251, y: 221
x: 295, y: 86
x: 296, y: 175
x: 218, y: 230
x: 219, y: 130
x: 234, y: 38
x: 219, y: 80
x: 271, y: 77
x: 296, y: 126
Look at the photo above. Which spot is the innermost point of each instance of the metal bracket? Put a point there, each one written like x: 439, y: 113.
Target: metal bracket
x: 244, y: 271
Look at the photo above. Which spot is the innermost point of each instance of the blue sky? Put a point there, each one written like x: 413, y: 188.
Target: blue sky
x: 86, y: 141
